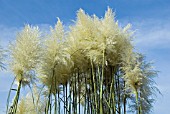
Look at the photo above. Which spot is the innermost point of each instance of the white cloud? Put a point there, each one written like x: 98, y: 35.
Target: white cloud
x: 152, y: 34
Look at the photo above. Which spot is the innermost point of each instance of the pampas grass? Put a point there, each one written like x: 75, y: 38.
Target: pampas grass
x: 90, y: 69
x: 24, y: 55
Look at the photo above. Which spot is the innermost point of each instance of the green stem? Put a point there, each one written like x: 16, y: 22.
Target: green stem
x: 58, y: 102
x: 94, y: 85
x: 49, y: 99
x: 66, y: 99
x: 124, y: 100
x: 55, y: 110
x: 9, y: 95
x: 112, y: 92
x: 137, y: 102
x: 101, y: 84
x: 13, y: 108
x: 85, y: 95
x: 35, y: 108
x: 75, y: 87
x: 79, y: 90
x: 70, y: 100
x: 118, y: 79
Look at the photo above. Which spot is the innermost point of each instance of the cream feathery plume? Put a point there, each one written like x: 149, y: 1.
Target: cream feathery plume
x: 25, y: 53
x: 56, y: 63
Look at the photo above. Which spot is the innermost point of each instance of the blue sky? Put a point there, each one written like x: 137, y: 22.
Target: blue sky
x: 149, y: 18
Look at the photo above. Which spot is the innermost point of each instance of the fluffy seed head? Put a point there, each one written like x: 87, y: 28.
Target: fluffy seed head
x: 25, y: 52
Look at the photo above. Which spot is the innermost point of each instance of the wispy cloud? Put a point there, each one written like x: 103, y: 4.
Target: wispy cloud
x: 152, y: 33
